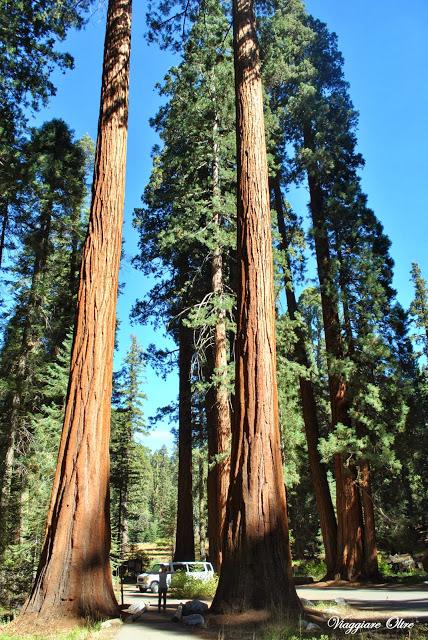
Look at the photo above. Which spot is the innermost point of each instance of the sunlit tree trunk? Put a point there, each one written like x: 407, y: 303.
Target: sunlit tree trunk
x: 73, y: 578
x: 256, y: 526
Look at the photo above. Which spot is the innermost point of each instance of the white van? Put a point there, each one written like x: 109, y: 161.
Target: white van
x: 150, y: 581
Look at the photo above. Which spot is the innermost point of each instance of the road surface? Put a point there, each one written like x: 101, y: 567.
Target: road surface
x: 403, y: 600
x: 400, y: 601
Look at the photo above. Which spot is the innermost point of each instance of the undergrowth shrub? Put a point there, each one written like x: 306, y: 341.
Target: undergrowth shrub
x: 185, y: 586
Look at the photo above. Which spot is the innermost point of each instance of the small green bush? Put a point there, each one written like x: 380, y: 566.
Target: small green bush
x: 185, y: 586
x: 315, y: 568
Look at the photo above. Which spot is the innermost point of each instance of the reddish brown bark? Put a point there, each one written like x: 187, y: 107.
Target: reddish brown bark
x: 318, y: 470
x: 371, y: 569
x: 348, y: 505
x: 350, y: 552
x: 74, y: 577
x: 256, y: 569
x: 185, y: 537
x: 219, y: 427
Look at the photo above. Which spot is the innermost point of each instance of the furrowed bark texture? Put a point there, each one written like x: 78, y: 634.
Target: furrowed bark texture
x: 219, y: 427
x: 348, y: 505
x: 256, y: 567
x: 309, y: 409
x: 74, y: 577
x: 371, y: 568
x: 185, y: 537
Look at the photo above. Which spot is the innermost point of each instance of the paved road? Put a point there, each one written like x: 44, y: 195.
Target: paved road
x: 403, y: 600
x: 393, y: 600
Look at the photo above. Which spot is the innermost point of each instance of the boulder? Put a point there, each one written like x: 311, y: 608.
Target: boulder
x: 194, y: 606
x: 194, y: 620
x: 110, y: 623
x: 135, y: 612
x: 402, y: 562
x: 178, y: 613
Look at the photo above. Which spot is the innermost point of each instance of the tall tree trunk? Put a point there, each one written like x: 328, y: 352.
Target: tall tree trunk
x: 256, y: 568
x: 73, y: 578
x: 371, y: 569
x: 309, y: 409
x: 4, y: 225
x: 348, y: 504
x: 185, y: 536
x: 219, y: 421
x: 201, y: 506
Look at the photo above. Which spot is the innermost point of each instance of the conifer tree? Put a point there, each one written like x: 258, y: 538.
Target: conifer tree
x: 54, y: 196
x: 419, y: 306
x: 128, y: 422
x: 75, y: 580
x: 29, y: 34
x: 256, y: 528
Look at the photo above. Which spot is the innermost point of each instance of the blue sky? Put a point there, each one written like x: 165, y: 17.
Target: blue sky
x: 385, y: 48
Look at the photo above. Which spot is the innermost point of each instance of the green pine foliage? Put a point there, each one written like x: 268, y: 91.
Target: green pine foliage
x: 419, y: 307
x: 127, y: 458
x: 43, y: 286
x: 21, y: 558
x: 177, y: 226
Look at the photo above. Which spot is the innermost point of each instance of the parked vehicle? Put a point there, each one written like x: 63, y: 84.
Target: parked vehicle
x: 149, y: 581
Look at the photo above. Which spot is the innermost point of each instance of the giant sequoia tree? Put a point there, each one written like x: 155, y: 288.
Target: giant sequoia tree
x: 256, y: 527
x: 74, y: 578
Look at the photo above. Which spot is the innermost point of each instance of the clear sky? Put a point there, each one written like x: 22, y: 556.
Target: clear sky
x: 385, y: 46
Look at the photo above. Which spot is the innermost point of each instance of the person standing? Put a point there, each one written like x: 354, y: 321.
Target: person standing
x: 163, y: 586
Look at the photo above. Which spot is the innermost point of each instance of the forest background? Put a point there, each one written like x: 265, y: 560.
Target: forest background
x: 386, y: 56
